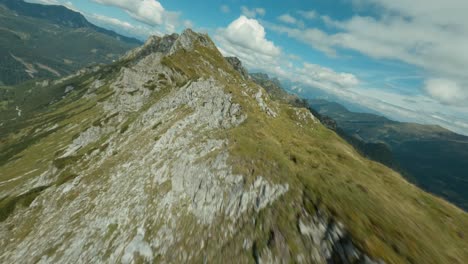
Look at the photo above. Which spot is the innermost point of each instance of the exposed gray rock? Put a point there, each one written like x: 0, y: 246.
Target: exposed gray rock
x: 169, y: 44
x: 87, y: 137
x: 329, y: 240
x: 69, y: 88
x: 154, y: 44
x: 237, y: 65
x: 132, y: 86
x: 18, y: 111
x: 263, y: 105
x: 188, y: 39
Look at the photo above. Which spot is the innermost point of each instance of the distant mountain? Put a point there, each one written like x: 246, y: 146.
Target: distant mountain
x: 275, y: 90
x: 433, y: 157
x: 29, y: 46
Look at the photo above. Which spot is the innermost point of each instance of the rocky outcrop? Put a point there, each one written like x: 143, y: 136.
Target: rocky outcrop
x: 328, y: 240
x: 169, y: 44
x: 154, y: 44
x: 237, y: 65
x: 189, y: 39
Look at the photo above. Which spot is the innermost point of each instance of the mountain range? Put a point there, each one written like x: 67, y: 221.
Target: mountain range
x: 429, y: 155
x: 47, y: 41
x: 173, y: 153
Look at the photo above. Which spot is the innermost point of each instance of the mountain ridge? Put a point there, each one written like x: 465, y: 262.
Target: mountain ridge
x: 30, y: 46
x: 61, y: 15
x: 172, y: 156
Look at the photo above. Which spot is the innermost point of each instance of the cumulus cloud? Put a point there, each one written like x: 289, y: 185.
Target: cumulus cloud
x: 150, y: 12
x: 246, y: 38
x: 252, y: 13
x: 446, y: 91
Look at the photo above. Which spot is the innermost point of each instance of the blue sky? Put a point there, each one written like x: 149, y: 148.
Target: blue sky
x: 405, y: 59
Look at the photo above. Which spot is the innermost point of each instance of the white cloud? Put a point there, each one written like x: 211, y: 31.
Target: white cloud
x: 225, y: 9
x: 141, y: 31
x: 317, y: 76
x: 311, y: 36
x: 287, y: 18
x: 246, y: 39
x: 112, y: 21
x: 327, y: 75
x: 446, y: 91
x: 311, y: 14
x: 424, y: 33
x: 147, y: 11
x: 150, y: 12
x: 252, y: 13
x: 45, y: 2
x: 249, y: 35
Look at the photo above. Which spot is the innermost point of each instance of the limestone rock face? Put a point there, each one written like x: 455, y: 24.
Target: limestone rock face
x: 145, y: 169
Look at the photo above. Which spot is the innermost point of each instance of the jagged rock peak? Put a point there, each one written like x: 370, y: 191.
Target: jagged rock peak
x: 169, y: 44
x: 237, y: 65
x: 188, y: 38
x: 160, y: 44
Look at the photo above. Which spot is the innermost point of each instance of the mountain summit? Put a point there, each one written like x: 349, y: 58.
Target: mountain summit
x: 171, y: 155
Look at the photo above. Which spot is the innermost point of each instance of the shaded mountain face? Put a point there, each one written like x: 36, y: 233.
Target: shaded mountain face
x: 43, y: 41
x: 170, y: 155
x: 431, y: 156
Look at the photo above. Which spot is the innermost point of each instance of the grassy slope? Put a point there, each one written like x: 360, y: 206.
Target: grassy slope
x: 387, y: 216
x: 29, y: 143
